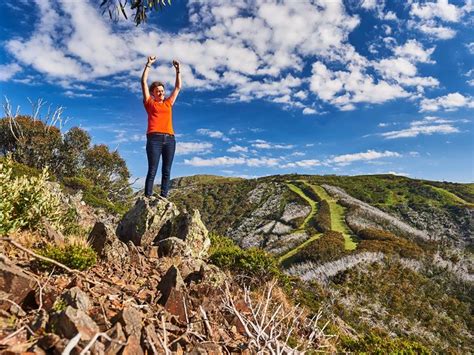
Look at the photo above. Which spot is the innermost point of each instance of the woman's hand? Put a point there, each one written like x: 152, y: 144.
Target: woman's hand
x: 176, y: 65
x: 151, y: 60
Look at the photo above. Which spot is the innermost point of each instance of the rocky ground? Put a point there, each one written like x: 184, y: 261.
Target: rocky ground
x: 151, y: 292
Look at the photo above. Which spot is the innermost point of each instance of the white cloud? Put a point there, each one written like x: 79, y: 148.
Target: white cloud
x: 309, y: 111
x: 440, y: 32
x: 212, y: 134
x: 237, y: 148
x: 183, y: 148
x: 428, y: 126
x: 7, y: 71
x: 440, y: 9
x: 261, y: 144
x: 70, y: 93
x: 470, y: 46
x: 365, y: 156
x: 344, y: 88
x: 308, y: 163
x: 414, y: 51
x: 450, y: 102
x: 229, y: 161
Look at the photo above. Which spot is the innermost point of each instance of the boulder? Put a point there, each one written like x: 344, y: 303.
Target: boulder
x: 14, y: 282
x: 171, y: 247
x: 103, y: 240
x: 190, y: 229
x: 143, y: 222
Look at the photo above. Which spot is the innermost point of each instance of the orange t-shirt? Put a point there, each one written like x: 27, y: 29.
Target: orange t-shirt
x: 160, y: 118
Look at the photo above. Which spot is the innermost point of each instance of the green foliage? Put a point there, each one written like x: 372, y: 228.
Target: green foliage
x: 253, y: 262
x: 26, y: 200
x: 329, y: 247
x: 36, y: 144
x: 373, y: 344
x: 31, y: 142
x: 323, y: 217
x: 59, y: 305
x: 431, y: 304
x: 388, y: 243
x: 75, y: 256
x: 221, y: 204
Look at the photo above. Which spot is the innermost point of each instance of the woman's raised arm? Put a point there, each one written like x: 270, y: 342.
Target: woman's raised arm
x: 145, y: 90
x: 177, y: 84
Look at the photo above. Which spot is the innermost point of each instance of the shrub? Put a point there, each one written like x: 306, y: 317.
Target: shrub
x: 378, y: 240
x: 253, y: 262
x: 374, y: 344
x: 329, y: 247
x: 323, y: 217
x: 74, y: 255
x: 26, y: 200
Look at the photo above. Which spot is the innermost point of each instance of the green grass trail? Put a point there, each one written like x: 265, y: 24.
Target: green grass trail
x: 338, y: 212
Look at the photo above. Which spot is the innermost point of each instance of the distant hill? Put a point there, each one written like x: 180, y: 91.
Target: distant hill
x: 395, y: 252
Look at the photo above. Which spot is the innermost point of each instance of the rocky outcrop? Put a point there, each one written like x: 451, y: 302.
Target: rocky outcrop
x: 143, y: 223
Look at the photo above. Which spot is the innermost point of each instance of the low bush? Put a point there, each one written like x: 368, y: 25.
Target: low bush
x: 25, y: 201
x: 374, y: 344
x: 378, y: 240
x: 253, y: 262
x: 74, y: 255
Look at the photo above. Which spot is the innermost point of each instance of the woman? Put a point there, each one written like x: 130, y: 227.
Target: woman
x: 160, y: 139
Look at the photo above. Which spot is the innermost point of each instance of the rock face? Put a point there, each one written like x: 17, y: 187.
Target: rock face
x: 191, y: 230
x: 143, y: 222
x: 104, y: 241
x: 158, y: 221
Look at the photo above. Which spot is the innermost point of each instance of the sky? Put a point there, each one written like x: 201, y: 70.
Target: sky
x: 310, y: 87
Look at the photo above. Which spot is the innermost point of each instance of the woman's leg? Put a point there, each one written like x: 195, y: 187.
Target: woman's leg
x: 169, y: 148
x: 154, y: 146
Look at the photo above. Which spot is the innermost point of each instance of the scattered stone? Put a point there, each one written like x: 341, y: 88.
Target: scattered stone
x: 134, y: 254
x: 76, y: 298
x: 51, y: 233
x: 72, y: 321
x: 133, y: 346
x: 14, y: 282
x: 131, y: 320
x: 116, y: 333
x: 171, y: 280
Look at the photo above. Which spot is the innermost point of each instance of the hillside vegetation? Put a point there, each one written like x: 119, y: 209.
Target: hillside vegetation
x: 405, y: 236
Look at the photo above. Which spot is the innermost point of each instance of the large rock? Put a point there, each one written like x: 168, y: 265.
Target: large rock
x: 15, y: 283
x: 104, y: 241
x: 190, y: 229
x: 143, y: 222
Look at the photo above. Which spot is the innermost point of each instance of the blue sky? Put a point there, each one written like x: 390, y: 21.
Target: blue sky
x: 313, y: 87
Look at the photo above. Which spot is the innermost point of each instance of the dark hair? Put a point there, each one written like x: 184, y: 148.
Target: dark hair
x: 156, y: 84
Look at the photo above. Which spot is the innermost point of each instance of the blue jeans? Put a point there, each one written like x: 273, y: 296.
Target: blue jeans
x: 159, y: 144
